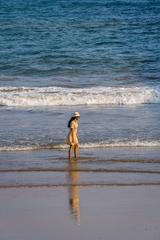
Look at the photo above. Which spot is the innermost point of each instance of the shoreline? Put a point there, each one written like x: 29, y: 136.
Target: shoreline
x: 114, y: 167
x: 106, y: 194
x: 55, y: 186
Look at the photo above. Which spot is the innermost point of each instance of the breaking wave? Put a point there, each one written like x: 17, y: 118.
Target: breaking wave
x: 58, y: 96
x: 101, y: 144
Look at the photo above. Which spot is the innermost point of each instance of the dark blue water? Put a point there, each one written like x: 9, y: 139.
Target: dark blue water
x: 79, y: 43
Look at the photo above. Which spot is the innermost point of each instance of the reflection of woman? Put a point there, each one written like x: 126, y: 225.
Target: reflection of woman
x: 74, y: 199
x: 72, y: 139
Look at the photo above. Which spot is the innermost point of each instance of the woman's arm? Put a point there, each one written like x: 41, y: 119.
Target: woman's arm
x: 73, y: 135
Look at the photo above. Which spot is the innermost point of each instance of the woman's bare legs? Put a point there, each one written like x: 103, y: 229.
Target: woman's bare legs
x: 70, y: 152
x: 75, y: 147
x: 76, y: 151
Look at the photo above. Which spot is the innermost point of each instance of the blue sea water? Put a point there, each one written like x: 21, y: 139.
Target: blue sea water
x: 101, y: 58
x: 79, y: 43
x: 94, y: 56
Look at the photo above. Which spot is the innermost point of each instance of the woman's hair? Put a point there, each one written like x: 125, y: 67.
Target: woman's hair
x: 69, y: 122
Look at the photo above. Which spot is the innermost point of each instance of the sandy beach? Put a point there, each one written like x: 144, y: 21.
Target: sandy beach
x: 100, y: 59
x: 97, y: 213
x: 107, y: 194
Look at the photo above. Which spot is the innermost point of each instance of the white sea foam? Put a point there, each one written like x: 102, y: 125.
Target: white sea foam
x: 122, y: 143
x: 102, y: 144
x: 57, y: 96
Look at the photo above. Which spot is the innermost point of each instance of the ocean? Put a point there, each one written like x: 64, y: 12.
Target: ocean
x: 101, y: 58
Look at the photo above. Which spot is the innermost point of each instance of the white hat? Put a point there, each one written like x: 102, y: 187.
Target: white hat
x: 76, y: 114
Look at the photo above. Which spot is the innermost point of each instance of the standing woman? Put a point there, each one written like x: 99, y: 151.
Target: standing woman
x: 72, y: 139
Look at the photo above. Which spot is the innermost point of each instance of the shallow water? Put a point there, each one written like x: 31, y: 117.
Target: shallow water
x: 103, y: 167
x: 99, y: 126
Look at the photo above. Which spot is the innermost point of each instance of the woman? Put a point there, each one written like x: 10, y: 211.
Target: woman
x: 72, y: 139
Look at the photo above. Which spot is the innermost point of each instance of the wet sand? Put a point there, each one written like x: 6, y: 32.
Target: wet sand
x: 108, y: 194
x: 74, y: 212
x: 99, y: 167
